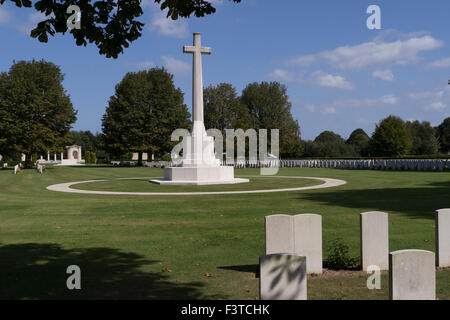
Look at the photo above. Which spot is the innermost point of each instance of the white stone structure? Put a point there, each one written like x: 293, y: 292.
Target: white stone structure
x: 199, y: 164
x: 374, y: 240
x: 412, y: 275
x: 443, y: 238
x: 282, y: 277
x: 300, y: 234
x: 308, y: 240
x: 73, y: 156
x: 279, y: 234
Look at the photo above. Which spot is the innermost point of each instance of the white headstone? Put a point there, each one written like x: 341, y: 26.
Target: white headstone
x: 279, y: 234
x: 282, y: 277
x: 443, y: 238
x: 374, y: 240
x: 308, y: 240
x: 412, y: 275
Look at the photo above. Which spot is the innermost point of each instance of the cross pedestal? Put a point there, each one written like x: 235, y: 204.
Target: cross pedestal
x: 199, y: 165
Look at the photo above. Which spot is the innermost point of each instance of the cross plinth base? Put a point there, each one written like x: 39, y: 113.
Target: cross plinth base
x: 199, y: 176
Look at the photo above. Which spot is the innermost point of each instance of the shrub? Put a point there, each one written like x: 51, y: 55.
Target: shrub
x: 338, y: 255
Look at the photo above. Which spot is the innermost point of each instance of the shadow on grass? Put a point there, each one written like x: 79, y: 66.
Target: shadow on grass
x: 249, y: 268
x: 412, y: 202
x: 38, y: 271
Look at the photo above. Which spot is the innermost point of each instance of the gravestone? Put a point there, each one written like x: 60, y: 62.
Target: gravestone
x: 443, y: 238
x: 279, y: 234
x: 374, y: 240
x: 308, y: 240
x: 412, y: 275
x: 282, y: 277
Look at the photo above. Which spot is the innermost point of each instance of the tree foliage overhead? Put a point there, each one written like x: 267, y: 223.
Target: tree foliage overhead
x: 36, y: 114
x: 110, y: 24
x: 143, y: 113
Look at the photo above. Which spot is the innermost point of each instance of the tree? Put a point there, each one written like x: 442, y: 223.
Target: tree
x: 390, y: 138
x: 443, y: 134
x: 330, y: 144
x: 359, y: 141
x: 423, y: 138
x: 110, y: 24
x: 36, y: 114
x: 269, y: 108
x: 223, y: 108
x: 143, y: 113
x: 86, y: 139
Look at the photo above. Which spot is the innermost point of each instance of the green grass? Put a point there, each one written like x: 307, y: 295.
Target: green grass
x: 126, y: 245
x: 143, y: 185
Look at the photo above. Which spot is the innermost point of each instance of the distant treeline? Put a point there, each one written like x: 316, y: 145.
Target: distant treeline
x: 392, y: 137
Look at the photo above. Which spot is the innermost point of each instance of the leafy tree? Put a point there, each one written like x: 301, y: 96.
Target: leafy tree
x: 330, y: 144
x: 86, y: 139
x: 423, y: 138
x: 391, y: 138
x: 110, y: 24
x: 89, y: 157
x: 269, y: 108
x: 359, y: 141
x: 443, y: 134
x: 223, y: 108
x: 35, y: 112
x: 143, y: 113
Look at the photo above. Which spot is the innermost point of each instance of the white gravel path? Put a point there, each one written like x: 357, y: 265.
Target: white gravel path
x: 65, y: 187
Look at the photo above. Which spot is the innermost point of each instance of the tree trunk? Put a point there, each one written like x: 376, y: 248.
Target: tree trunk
x: 139, y: 159
x: 28, y: 161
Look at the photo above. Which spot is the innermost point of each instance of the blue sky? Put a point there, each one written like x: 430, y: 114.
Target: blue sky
x: 340, y: 75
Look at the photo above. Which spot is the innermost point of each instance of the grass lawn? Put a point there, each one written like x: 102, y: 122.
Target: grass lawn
x: 194, y: 247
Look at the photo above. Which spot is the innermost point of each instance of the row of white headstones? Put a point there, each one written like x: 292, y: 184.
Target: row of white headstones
x: 370, y: 164
x: 294, y: 249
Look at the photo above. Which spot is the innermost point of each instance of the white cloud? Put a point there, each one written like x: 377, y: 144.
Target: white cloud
x: 389, y: 99
x: 304, y: 61
x: 5, y: 17
x: 282, y: 75
x: 168, y: 27
x: 400, y: 52
x: 386, y: 75
x: 311, y: 108
x: 432, y: 100
x: 332, y: 108
x: 323, y: 79
x: 385, y: 100
x: 329, y: 110
x: 142, y: 65
x: 442, y: 63
x: 427, y: 95
x: 436, y: 106
x: 175, y: 66
x: 8, y: 19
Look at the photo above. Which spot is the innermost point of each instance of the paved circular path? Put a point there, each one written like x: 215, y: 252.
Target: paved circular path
x: 65, y: 187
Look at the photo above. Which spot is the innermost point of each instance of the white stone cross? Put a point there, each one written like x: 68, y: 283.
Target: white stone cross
x: 197, y: 80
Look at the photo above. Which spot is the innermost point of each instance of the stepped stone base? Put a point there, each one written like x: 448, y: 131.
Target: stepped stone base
x: 199, y: 176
